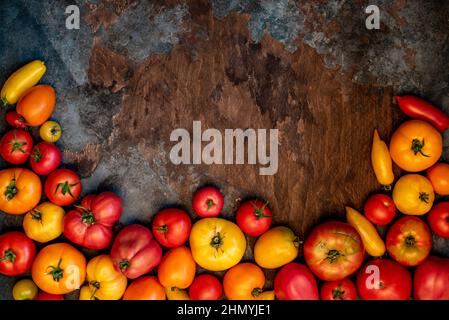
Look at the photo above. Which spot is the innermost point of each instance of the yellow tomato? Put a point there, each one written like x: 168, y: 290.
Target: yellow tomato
x: 176, y: 294
x: 24, y: 289
x: 276, y: 247
x: 86, y: 293
x: 416, y: 146
x: 413, y: 194
x: 50, y: 131
x: 105, y: 282
x: 44, y: 223
x: 217, y: 244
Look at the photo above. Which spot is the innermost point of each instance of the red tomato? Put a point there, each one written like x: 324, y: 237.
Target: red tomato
x: 254, y: 217
x: 205, y: 287
x: 333, y: 251
x: 17, y: 253
x: 45, y: 158
x: 171, y: 227
x: 409, y: 241
x: 16, y: 145
x: 90, y: 224
x: 63, y: 187
x: 343, y: 289
x: 207, y: 202
x: 42, y: 295
x: 380, y: 209
x: 135, y: 252
x: 15, y: 120
x: 438, y: 219
x: 295, y: 282
x: 431, y: 280
x: 383, y: 279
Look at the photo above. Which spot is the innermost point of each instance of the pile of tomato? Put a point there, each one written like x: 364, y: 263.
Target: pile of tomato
x: 177, y: 258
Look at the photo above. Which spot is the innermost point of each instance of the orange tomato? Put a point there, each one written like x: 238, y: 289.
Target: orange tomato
x: 177, y: 268
x: 20, y: 190
x: 59, y: 269
x: 105, y: 282
x: 145, y: 288
x: 37, y: 104
x: 416, y: 146
x: 413, y: 194
x: 438, y: 175
x: 244, y: 281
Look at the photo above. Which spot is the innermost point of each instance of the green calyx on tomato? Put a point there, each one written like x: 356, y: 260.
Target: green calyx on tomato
x: 124, y: 265
x: 410, y: 241
x: 258, y: 212
x: 256, y: 292
x: 37, y: 155
x: 417, y: 146
x: 338, y: 293
x: 11, y: 190
x: 333, y: 255
x: 8, y: 255
x: 16, y: 144
x: 424, y: 197
x: 164, y: 229
x: 36, y: 215
x: 65, y: 188
x: 54, y: 130
x: 217, y: 240
x: 210, y: 203
x: 88, y: 218
x: 56, y: 272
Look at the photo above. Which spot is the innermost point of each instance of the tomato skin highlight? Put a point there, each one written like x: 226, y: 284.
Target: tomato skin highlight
x: 63, y: 187
x: 379, y: 209
x: 418, y: 108
x: 205, y: 287
x: 343, y: 289
x: 295, y: 282
x: 16, y: 145
x: 15, y: 120
x: 171, y: 227
x: 254, y: 218
x: 17, y: 253
x: 438, y: 219
x: 37, y: 104
x: 45, y: 158
x: 207, y: 202
x: 431, y: 280
x: 395, y: 281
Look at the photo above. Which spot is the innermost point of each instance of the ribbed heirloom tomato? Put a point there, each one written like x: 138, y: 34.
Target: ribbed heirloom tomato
x: 254, y: 217
x: 45, y: 158
x: 90, y: 224
x: 59, y: 269
x: 145, y: 288
x: 16, y: 145
x: 205, y: 287
x: 36, y: 105
x: 333, y: 251
x: 63, y: 187
x: 343, y: 289
x: 44, y: 223
x: 413, y: 194
x: 217, y: 244
x: 171, y: 227
x: 177, y: 268
x: 244, y: 281
x: 17, y: 253
x: 20, y: 190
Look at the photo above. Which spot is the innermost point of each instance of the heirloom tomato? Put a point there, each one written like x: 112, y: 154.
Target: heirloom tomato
x: 343, y: 289
x: 383, y: 279
x: 416, y: 146
x: 379, y: 209
x: 171, y: 227
x: 438, y: 219
x: 135, y: 251
x: 438, y: 175
x: 105, y: 282
x: 276, y: 247
x: 244, y: 281
x: 16, y: 145
x: 90, y: 224
x: 205, y: 287
x: 254, y: 217
x: 59, y: 269
x: 24, y: 289
x: 413, y: 194
x: 42, y: 295
x: 45, y: 158
x: 36, y: 104
x: 44, y: 223
x: 63, y: 187
x: 177, y: 268
x: 86, y: 293
x: 333, y: 251
x: 15, y: 120
x: 50, y: 131
x: 295, y: 282
x: 207, y: 202
x: 431, y: 280
x: 217, y: 244
x: 145, y: 288
x: 17, y: 253
x: 409, y: 241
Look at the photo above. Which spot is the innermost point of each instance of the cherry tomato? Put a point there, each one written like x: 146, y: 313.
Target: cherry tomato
x: 42, y: 295
x: 16, y: 145
x: 50, y: 131
x: 254, y: 217
x: 17, y: 253
x: 24, y: 289
x: 438, y: 175
x: 45, y: 158
x: 205, y: 287
x: 438, y: 219
x: 380, y: 209
x: 171, y: 227
x: 343, y: 289
x: 63, y: 187
x: 15, y: 120
x: 208, y: 202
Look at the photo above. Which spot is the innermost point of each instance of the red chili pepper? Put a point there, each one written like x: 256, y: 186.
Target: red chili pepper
x: 418, y: 108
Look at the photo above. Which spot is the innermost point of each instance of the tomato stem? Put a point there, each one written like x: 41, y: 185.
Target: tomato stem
x: 88, y: 218
x: 36, y: 214
x: 256, y: 292
x: 65, y: 188
x: 297, y: 242
x: 123, y: 265
x: 217, y: 240
x: 9, y: 255
x: 56, y: 272
x: 410, y: 241
x: 37, y: 155
x: 338, y: 293
x: 333, y: 255
x: 258, y: 212
x: 164, y: 229
x: 11, y: 189
x: 417, y: 146
x: 210, y: 203
x: 5, y: 102
x: 424, y: 197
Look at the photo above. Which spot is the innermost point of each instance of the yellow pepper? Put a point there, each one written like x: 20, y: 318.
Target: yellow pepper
x: 22, y: 80
x: 381, y: 161
x: 266, y: 295
x: 373, y: 243
x: 176, y: 294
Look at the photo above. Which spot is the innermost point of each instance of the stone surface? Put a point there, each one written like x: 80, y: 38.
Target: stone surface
x: 136, y: 70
